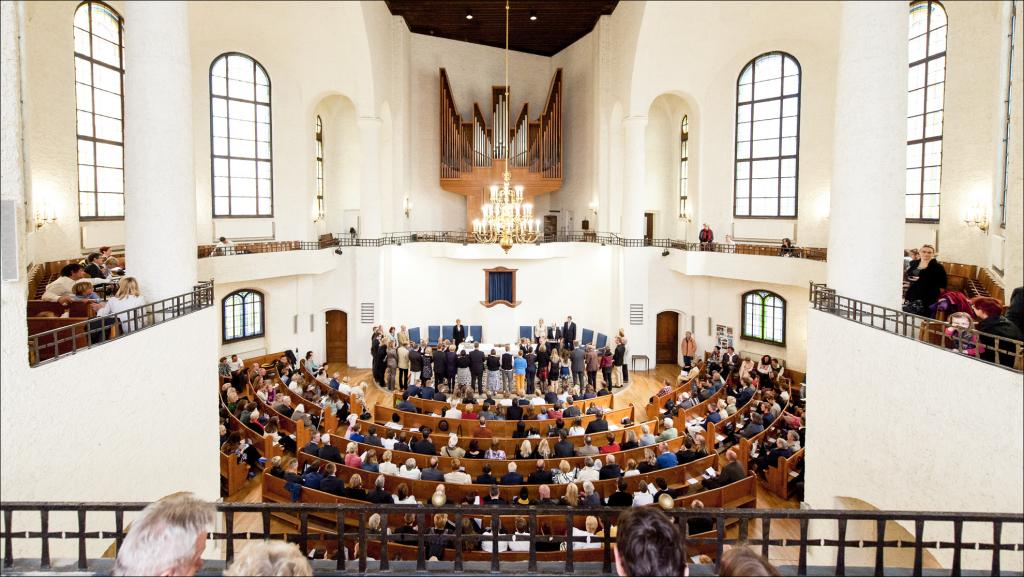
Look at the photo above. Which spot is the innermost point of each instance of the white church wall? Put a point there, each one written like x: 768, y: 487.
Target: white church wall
x: 873, y: 393
x: 1012, y: 252
x: 472, y: 71
x: 579, y: 135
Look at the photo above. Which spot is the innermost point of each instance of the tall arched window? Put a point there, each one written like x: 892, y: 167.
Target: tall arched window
x: 767, y: 136
x: 319, y: 168
x: 684, y: 163
x: 764, y: 317
x: 243, y: 315
x: 240, y: 137
x: 926, y: 88
x: 99, y: 91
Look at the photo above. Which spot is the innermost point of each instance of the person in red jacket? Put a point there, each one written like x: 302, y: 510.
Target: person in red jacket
x: 706, y: 237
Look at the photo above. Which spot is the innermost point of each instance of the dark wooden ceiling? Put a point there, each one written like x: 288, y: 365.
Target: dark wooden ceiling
x: 559, y: 23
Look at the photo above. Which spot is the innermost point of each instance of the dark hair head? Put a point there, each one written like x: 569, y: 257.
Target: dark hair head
x: 92, y: 256
x: 742, y: 561
x: 70, y: 269
x: 649, y: 544
x: 990, y: 306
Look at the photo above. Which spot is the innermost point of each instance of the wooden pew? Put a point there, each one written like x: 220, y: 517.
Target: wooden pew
x: 499, y: 428
x: 59, y: 342
x: 779, y: 476
x: 235, y: 474
x: 439, y: 407
x: 657, y: 408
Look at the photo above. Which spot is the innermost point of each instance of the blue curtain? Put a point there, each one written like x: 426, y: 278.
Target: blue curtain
x: 499, y: 286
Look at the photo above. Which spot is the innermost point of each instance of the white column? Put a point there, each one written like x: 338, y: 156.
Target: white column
x: 866, y: 231
x: 635, y: 169
x: 160, y: 192
x: 369, y: 195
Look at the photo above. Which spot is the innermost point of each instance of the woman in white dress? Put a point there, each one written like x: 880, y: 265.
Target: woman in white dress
x: 127, y: 298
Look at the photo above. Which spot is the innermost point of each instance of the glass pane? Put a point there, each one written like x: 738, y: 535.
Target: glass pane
x: 791, y: 67
x: 915, y: 102
x: 109, y: 155
x: 87, y: 204
x: 220, y: 146
x: 788, y: 207
x: 743, y: 132
x: 263, y: 114
x: 108, y: 104
x: 242, y: 187
x: 220, y: 206
x: 110, y: 204
x: 107, y: 52
x: 107, y: 79
x: 244, y: 148
x: 916, y: 50
x: 83, y: 71
x: 242, y: 129
x: 240, y: 89
x: 263, y: 169
x: 790, y: 106
x: 768, y: 67
x: 83, y: 97
x: 220, y: 167
x: 764, y: 207
x: 264, y: 205
x: 742, y: 170
x: 262, y: 132
x: 767, y: 89
x: 789, y: 126
x: 220, y: 108
x: 789, y: 146
x: 86, y: 178
x: 110, y: 180
x: 108, y: 128
x: 915, y: 79
x: 931, y: 180
x: 934, y: 98
x: 262, y: 150
x: 766, y: 129
x: 789, y: 167
x: 262, y: 93
x: 219, y: 67
x: 937, y: 42
x: 766, y: 148
x: 914, y: 181
x: 787, y: 187
x: 84, y: 124
x: 243, y: 168
x: 938, y: 16
x: 742, y: 207
x: 261, y: 76
x: 931, y: 211
x: 219, y: 86
x: 765, y: 110
x: 745, y: 93
x: 86, y: 153
x: 913, y: 206
x: 937, y: 70
x: 240, y: 68
x: 241, y: 110
x: 742, y: 150
x: 764, y: 188
x: 791, y: 85
x: 105, y: 23
x: 742, y: 188
x: 745, y: 75
x: 918, y: 20
x: 81, y: 41
x: 82, y: 17
x: 933, y: 124
x: 243, y: 206
x: 220, y: 186
x: 915, y: 128
x: 220, y: 127
x: 913, y: 155
x: 263, y: 187
x: 933, y: 153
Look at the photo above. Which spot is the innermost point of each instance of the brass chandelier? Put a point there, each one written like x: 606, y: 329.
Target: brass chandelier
x: 506, y: 219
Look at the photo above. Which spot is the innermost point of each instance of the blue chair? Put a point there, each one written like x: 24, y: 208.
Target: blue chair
x: 414, y: 335
x: 588, y: 337
x: 477, y: 332
x: 433, y: 335
x: 525, y: 332
x: 602, y: 340
x: 448, y: 332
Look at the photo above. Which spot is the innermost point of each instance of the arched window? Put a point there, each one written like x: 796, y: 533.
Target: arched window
x: 684, y: 163
x: 764, y: 317
x: 319, y: 168
x: 99, y: 91
x: 240, y: 137
x: 243, y: 315
x: 767, y: 136
x: 926, y: 88
x: 1007, y: 116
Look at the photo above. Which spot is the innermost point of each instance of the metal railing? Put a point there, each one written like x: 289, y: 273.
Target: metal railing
x: 211, y: 250
x: 983, y: 347
x: 69, y: 339
x: 327, y: 527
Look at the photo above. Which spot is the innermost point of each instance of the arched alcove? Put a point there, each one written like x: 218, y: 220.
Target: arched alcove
x: 664, y: 153
x: 341, y: 162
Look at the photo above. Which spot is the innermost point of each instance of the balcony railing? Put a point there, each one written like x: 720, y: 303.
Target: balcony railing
x: 834, y: 531
x: 462, y: 237
x: 982, y: 347
x: 67, y: 340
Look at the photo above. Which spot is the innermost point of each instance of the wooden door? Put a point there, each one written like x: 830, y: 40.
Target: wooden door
x: 648, y: 228
x: 668, y: 337
x: 337, y: 337
x: 550, y: 226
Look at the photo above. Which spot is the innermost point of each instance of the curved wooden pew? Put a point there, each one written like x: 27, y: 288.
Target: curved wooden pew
x: 498, y: 428
x: 779, y: 475
x: 439, y: 407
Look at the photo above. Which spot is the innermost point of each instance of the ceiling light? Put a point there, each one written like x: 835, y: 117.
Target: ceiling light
x: 533, y: 15
x: 469, y: 14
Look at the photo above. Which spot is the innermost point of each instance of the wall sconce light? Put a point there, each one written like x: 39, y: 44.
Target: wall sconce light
x: 45, y: 215
x: 407, y: 206
x: 594, y: 206
x: 684, y: 212
x: 975, y: 216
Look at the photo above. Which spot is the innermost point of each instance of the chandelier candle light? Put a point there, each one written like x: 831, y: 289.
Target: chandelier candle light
x: 506, y: 219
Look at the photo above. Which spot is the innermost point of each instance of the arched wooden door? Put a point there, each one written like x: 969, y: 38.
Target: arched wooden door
x: 337, y: 337
x: 668, y: 337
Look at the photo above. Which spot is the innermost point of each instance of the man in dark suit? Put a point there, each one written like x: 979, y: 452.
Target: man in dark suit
x: 372, y: 438
x: 415, y: 365
x: 405, y: 404
x: 568, y: 333
x: 512, y: 477
x: 427, y: 393
x: 494, y: 497
x: 579, y: 364
x: 477, y: 358
x: 328, y: 451
x: 431, y: 473
x: 458, y: 333
x: 731, y: 472
x: 514, y: 412
x: 485, y: 477
x: 554, y: 334
x: 440, y: 365
x: 541, y: 476
x: 598, y: 425
x: 330, y: 483
x: 403, y: 443
x: 378, y: 494
x: 564, y: 448
x: 611, y: 469
x: 423, y: 446
x: 571, y: 411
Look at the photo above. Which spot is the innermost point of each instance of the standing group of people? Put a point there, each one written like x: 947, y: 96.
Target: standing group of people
x: 554, y: 355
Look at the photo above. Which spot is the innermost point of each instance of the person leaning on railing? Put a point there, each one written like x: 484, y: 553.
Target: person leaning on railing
x: 992, y: 322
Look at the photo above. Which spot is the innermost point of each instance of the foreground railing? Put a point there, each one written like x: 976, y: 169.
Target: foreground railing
x: 834, y: 531
x: 67, y: 340
x: 983, y: 347
x: 462, y: 237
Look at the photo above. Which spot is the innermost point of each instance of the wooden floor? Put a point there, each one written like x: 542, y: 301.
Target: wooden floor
x: 641, y: 387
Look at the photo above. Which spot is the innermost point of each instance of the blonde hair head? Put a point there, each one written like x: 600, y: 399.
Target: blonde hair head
x: 127, y: 287
x: 270, y: 558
